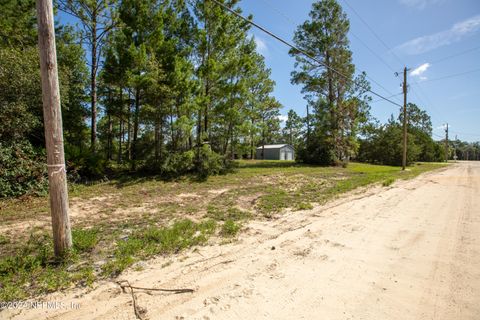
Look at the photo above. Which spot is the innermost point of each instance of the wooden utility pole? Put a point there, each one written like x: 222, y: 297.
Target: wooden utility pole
x: 57, y: 177
x: 455, y: 149
x: 446, y: 143
x: 404, y: 158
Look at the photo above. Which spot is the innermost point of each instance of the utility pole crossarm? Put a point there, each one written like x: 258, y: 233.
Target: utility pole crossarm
x: 52, y: 114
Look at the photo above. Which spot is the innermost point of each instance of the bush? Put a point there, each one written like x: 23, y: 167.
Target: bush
x: 84, y: 164
x: 317, y: 153
x: 178, y: 164
x: 211, y: 163
x: 23, y: 170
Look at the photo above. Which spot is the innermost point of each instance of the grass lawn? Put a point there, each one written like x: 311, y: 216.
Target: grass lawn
x: 118, y: 223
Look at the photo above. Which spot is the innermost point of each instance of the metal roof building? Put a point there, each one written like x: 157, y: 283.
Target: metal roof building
x: 276, y: 152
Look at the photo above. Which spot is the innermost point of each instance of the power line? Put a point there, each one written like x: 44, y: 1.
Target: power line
x: 426, y: 97
x: 267, y: 2
x: 372, y: 51
x: 466, y: 134
x: 389, y: 49
x: 452, y: 75
x: 298, y: 49
x: 455, y: 55
x: 394, y: 95
x: 373, y: 32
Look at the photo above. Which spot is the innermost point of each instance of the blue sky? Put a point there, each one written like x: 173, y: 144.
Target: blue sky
x: 421, y: 34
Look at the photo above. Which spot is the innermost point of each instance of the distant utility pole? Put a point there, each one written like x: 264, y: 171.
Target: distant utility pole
x: 446, y: 143
x: 455, y: 149
x: 404, y: 159
x: 57, y: 177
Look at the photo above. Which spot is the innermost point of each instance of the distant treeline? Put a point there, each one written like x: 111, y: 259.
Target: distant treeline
x: 173, y: 87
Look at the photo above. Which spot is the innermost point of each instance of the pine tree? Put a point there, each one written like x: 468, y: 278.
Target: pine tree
x: 326, y: 87
x: 97, y: 20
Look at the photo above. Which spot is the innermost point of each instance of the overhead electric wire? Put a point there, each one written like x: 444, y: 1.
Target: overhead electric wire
x: 373, y: 32
x: 452, y: 75
x: 268, y: 3
x: 455, y: 55
x: 466, y: 134
x: 393, y: 95
x: 390, y: 50
x: 298, y: 49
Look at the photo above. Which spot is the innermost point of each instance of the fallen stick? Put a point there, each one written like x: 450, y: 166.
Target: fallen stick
x: 138, y: 310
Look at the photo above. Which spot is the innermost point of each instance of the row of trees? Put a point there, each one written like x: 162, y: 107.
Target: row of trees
x: 177, y: 86
x: 383, y: 143
x: 22, y: 156
x: 180, y: 84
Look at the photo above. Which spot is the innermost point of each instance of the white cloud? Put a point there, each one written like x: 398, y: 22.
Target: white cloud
x: 418, y: 71
x: 261, y: 45
x: 419, y: 4
x: 430, y: 42
x: 282, y: 118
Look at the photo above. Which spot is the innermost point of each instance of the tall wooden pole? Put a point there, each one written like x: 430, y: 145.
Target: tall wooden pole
x: 446, y: 143
x: 52, y: 115
x: 404, y: 158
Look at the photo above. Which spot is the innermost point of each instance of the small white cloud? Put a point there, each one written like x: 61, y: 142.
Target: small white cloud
x: 419, y: 4
x: 420, y: 70
x: 430, y: 42
x: 282, y: 118
x: 261, y: 45
x: 443, y: 127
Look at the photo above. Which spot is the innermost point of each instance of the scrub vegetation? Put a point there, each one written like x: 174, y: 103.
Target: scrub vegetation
x: 119, y: 223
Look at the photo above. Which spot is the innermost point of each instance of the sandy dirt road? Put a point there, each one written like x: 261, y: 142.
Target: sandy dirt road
x: 410, y: 251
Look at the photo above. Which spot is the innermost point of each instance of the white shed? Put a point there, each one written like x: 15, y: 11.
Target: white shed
x: 276, y: 152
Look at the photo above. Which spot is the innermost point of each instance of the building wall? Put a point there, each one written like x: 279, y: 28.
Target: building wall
x: 270, y: 154
x: 287, y: 153
x: 284, y: 153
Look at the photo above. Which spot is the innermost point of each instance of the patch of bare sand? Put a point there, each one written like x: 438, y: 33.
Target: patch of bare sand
x: 406, y: 252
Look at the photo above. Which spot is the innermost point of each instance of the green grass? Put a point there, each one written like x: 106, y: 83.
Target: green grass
x: 84, y: 240
x: 139, y: 218
x: 388, y: 182
x: 35, y: 270
x: 230, y: 228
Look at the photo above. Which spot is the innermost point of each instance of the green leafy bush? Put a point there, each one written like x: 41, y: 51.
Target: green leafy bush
x: 211, y: 163
x: 82, y: 164
x: 23, y: 170
x: 316, y: 153
x: 178, y: 163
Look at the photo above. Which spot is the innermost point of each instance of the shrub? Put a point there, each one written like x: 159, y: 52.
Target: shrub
x: 178, y: 164
x: 84, y: 164
x: 317, y: 153
x: 211, y: 163
x: 23, y: 170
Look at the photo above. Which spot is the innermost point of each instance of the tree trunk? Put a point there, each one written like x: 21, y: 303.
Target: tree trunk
x: 308, y: 125
x: 93, y: 87
x: 129, y: 128
x: 109, y: 141
x: 331, y: 105
x: 135, y: 128
x: 158, y: 129
x: 121, y: 127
